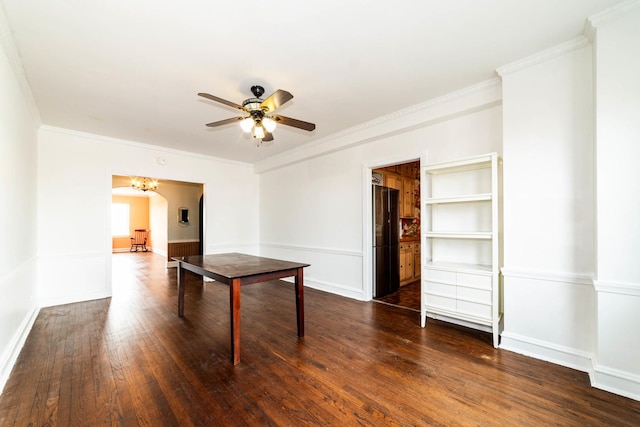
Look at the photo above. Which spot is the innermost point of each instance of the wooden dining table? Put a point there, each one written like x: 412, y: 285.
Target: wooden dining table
x: 237, y: 270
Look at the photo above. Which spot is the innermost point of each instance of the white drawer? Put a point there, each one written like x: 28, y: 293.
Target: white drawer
x: 441, y: 276
x: 441, y: 289
x: 441, y: 303
x: 474, y: 295
x: 474, y: 280
x: 474, y: 309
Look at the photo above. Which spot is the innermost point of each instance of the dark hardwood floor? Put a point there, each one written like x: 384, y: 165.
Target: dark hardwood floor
x: 130, y: 360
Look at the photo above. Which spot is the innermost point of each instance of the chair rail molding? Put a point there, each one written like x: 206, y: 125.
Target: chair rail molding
x: 630, y: 289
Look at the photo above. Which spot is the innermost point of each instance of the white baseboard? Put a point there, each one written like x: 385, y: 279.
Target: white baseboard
x: 560, y: 355
x: 333, y: 288
x: 615, y: 381
x: 70, y: 299
x: 601, y: 377
x: 10, y: 356
x: 121, y: 250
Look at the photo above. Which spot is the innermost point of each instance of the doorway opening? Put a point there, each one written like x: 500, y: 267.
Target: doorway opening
x: 396, y: 252
x: 172, y: 216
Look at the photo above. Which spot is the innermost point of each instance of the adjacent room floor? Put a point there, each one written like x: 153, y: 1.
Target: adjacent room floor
x: 130, y: 360
x: 407, y: 296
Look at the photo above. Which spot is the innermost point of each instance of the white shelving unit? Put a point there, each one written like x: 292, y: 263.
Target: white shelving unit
x: 462, y: 251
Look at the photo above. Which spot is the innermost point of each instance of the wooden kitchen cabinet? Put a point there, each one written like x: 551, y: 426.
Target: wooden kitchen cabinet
x: 417, y: 264
x: 393, y: 180
x: 406, y: 262
x: 409, y: 262
x: 403, y: 179
x: 407, y: 200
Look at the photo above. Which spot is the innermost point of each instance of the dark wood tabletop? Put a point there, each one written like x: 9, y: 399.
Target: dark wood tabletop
x: 236, y: 270
x: 229, y: 266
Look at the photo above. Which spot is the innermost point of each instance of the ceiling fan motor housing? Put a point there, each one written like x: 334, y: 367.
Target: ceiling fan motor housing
x: 254, y: 105
x: 257, y: 91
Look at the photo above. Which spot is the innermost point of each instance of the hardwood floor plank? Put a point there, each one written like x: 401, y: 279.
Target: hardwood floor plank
x: 130, y: 360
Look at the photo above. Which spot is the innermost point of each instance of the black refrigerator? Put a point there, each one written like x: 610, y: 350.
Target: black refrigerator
x: 386, y: 240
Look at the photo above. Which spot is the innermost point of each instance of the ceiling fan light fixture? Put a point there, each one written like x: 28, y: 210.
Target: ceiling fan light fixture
x: 246, y: 124
x: 269, y: 124
x: 258, y: 131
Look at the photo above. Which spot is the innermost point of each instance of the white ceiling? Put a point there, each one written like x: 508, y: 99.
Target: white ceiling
x: 131, y: 69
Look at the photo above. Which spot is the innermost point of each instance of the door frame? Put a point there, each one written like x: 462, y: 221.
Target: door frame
x: 108, y: 200
x: 367, y: 206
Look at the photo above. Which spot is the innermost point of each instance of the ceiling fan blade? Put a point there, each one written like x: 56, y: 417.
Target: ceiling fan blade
x: 276, y: 99
x: 293, y: 122
x: 268, y: 136
x: 220, y: 100
x: 224, y: 122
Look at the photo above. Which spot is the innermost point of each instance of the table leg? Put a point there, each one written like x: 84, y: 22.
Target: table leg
x: 181, y: 274
x: 299, y: 281
x: 234, y: 299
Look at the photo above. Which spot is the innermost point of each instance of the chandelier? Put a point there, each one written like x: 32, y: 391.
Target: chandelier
x: 144, y: 184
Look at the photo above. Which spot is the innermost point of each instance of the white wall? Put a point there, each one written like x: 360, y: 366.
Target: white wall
x: 74, y: 193
x: 617, y: 366
x: 572, y: 202
x: 316, y: 210
x: 18, y: 250
x: 549, y: 240
x: 158, y: 222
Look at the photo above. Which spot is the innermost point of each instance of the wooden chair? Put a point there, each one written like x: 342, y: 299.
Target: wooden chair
x: 139, y: 240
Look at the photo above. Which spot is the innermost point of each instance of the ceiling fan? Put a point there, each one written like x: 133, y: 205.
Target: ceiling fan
x: 261, y: 121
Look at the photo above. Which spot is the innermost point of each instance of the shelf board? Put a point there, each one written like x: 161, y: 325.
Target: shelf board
x: 472, y: 163
x: 462, y: 267
x: 459, y: 199
x: 480, y: 235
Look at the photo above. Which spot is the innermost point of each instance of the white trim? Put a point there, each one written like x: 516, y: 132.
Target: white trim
x: 479, y: 96
x: 331, y: 287
x: 615, y: 381
x: 601, y: 18
x: 544, y: 56
x: 367, y: 234
x: 601, y: 377
x: 252, y: 248
x: 543, y: 350
x: 548, y: 276
x: 70, y: 299
x: 10, y: 356
x: 319, y: 249
x: 122, y: 250
x: 159, y: 252
x: 367, y: 206
x: 630, y: 289
x: 108, y: 139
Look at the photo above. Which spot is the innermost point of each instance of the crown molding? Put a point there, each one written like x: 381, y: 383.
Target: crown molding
x: 135, y: 144
x: 486, y: 93
x: 9, y: 47
x: 544, y: 56
x: 607, y: 15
